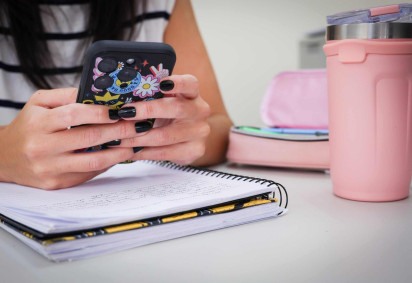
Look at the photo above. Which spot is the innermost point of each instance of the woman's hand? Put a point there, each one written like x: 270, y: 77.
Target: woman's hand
x: 37, y: 148
x: 181, y: 126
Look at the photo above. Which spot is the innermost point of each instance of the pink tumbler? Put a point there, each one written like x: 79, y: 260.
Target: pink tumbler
x: 369, y: 72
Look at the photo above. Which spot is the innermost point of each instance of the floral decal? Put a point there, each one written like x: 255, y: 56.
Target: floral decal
x: 149, y: 86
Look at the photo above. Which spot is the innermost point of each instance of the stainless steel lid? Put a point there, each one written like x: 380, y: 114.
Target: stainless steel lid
x: 387, y: 30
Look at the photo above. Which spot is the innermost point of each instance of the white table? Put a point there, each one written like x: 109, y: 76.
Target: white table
x: 323, y: 238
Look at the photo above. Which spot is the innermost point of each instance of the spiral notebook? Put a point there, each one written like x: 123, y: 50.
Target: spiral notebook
x: 132, y: 205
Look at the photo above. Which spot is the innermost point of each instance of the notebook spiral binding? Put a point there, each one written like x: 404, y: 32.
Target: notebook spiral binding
x: 281, y: 194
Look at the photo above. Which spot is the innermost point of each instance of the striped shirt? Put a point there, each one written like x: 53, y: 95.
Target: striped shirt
x: 65, y: 33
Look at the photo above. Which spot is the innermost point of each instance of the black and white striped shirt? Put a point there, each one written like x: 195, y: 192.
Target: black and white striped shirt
x: 65, y: 32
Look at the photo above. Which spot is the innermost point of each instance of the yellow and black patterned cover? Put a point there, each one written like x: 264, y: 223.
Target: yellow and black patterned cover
x: 224, y: 208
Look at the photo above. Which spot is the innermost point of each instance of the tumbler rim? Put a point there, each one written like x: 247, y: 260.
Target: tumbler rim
x: 386, y: 30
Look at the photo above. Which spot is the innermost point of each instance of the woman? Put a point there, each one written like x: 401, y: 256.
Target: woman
x: 36, y: 149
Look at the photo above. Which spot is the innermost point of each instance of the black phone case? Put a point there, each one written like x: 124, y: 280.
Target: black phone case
x: 120, y: 72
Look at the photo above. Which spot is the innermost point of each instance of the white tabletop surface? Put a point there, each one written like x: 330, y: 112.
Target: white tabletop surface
x: 323, y: 238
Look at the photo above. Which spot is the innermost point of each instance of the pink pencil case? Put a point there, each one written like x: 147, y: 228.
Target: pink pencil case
x: 293, y: 151
x: 292, y: 100
x: 296, y: 99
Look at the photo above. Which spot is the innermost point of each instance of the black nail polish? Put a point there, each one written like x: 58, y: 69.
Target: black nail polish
x: 127, y: 112
x: 143, y: 126
x: 113, y: 115
x: 167, y: 85
x: 137, y: 149
x: 113, y: 143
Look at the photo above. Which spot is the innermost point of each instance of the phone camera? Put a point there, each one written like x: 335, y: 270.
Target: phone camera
x: 103, y: 82
x: 107, y: 65
x: 127, y: 74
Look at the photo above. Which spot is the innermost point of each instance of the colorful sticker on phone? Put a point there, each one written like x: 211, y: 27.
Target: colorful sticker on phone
x: 116, y: 83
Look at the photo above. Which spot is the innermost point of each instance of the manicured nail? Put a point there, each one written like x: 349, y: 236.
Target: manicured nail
x: 113, y: 143
x: 143, y: 126
x: 167, y: 85
x: 113, y: 115
x: 137, y: 149
x: 127, y: 112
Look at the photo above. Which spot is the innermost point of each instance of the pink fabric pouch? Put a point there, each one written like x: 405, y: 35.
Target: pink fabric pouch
x: 293, y: 100
x: 296, y: 99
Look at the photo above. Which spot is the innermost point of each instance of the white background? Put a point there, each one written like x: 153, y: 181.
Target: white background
x: 251, y: 41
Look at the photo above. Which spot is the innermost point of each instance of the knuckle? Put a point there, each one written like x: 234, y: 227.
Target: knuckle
x: 180, y: 108
x: 189, y: 78
x: 147, y: 109
x: 182, y: 82
x: 33, y: 150
x: 42, y: 171
x: 130, y: 142
x: 124, y: 130
x: 69, y: 116
x: 100, y: 113
x: 195, y: 81
x: 204, y: 129
x: 163, y: 137
x: 95, y: 163
x: 199, y: 150
x: 32, y: 122
x: 92, y: 136
x: 203, y: 109
x: 135, y: 141
x: 206, y: 110
x: 52, y: 184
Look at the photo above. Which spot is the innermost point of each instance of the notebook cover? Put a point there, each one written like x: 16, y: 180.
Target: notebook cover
x: 47, y: 239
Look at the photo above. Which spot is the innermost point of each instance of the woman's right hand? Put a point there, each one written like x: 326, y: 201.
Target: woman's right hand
x: 37, y: 148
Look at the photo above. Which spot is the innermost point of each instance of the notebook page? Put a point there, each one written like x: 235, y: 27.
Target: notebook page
x: 124, y: 193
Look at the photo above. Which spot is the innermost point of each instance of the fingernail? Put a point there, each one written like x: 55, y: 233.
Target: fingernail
x: 113, y: 143
x: 143, y: 126
x: 127, y: 112
x: 137, y: 149
x: 167, y: 85
x: 113, y: 115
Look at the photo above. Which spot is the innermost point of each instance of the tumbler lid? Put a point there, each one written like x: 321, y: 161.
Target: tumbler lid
x: 386, y: 30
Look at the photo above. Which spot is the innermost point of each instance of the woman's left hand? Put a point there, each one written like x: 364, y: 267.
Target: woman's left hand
x: 181, y: 128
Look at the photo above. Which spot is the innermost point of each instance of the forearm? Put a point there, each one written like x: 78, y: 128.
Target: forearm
x: 3, y: 156
x: 217, y: 141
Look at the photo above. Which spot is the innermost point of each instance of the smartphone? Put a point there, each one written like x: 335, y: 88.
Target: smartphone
x: 119, y: 72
